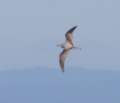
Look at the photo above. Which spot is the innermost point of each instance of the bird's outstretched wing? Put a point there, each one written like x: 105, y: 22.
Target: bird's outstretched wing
x: 69, y: 36
x: 62, y: 58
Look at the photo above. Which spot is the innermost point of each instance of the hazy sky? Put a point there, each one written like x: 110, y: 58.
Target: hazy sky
x: 31, y: 29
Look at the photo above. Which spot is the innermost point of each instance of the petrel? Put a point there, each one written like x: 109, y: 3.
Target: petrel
x: 67, y: 46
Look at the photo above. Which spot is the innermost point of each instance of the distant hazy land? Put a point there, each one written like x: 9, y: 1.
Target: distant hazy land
x: 52, y: 86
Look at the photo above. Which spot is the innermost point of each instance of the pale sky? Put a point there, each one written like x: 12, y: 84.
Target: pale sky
x: 31, y: 29
x: 29, y: 33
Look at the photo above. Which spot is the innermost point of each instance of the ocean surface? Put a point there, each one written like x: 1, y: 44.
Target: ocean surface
x: 43, y: 85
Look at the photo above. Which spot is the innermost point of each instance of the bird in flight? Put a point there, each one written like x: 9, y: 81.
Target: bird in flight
x: 67, y: 46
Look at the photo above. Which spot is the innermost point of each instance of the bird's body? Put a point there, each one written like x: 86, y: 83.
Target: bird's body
x: 67, y: 46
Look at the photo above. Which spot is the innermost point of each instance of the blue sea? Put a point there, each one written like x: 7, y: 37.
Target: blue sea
x: 44, y: 85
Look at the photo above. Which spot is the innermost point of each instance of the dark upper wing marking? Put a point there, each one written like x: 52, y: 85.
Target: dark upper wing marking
x: 71, y: 30
x: 69, y: 36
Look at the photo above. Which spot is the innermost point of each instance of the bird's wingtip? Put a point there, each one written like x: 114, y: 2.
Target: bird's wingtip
x: 62, y: 69
x: 76, y: 26
x: 72, y: 29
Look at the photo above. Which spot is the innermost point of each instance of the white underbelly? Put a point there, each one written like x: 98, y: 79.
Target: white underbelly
x: 68, y: 45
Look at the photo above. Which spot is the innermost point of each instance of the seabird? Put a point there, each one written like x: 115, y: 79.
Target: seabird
x: 67, y: 46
